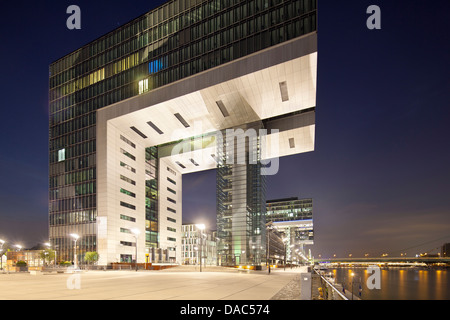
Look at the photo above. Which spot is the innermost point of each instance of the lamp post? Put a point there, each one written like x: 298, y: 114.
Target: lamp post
x: 75, y: 256
x: 2, y: 242
x: 269, y: 227
x: 196, y: 250
x: 353, y: 276
x: 254, y: 255
x: 136, y: 233
x: 201, y: 227
x: 284, y: 243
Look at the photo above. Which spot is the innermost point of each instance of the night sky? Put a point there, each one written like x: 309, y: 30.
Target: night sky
x: 379, y: 176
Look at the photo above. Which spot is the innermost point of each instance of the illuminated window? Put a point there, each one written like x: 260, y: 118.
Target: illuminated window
x: 143, y: 86
x: 126, y: 63
x: 61, y: 155
x: 155, y: 66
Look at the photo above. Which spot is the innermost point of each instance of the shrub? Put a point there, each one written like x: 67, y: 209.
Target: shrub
x: 91, y: 257
x: 21, y: 263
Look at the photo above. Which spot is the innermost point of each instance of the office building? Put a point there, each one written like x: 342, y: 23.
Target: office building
x: 198, y: 243
x: 127, y: 108
x: 292, y: 217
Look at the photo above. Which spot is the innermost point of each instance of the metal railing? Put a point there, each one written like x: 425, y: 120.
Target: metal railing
x: 329, y: 291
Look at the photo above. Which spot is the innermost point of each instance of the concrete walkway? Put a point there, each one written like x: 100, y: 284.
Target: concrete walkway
x: 180, y: 283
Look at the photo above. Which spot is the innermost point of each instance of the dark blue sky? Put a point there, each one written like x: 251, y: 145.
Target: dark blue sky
x: 379, y: 176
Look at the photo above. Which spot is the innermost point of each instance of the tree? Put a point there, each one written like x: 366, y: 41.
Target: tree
x: 91, y: 257
x: 48, y: 255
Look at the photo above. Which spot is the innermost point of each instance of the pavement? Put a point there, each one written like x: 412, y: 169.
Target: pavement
x: 179, y: 283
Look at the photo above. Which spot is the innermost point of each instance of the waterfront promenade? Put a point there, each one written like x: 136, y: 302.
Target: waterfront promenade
x: 179, y: 283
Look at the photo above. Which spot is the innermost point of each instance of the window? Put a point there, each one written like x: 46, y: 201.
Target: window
x: 171, y: 200
x: 156, y: 65
x: 61, y: 155
x: 171, y: 190
x: 123, y: 164
x: 143, y: 86
x: 170, y: 180
x: 128, y: 180
x: 127, y: 205
x: 127, y: 141
x: 171, y: 219
x: 172, y: 172
x: 127, y: 218
x: 171, y: 239
x: 171, y: 210
x: 125, y: 258
x: 171, y: 229
x: 128, y: 244
x: 129, y: 155
x: 128, y: 193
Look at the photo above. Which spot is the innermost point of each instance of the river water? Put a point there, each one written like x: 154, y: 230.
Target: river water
x: 397, y: 283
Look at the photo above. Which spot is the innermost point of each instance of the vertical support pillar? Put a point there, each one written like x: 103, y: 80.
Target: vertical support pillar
x: 240, y: 197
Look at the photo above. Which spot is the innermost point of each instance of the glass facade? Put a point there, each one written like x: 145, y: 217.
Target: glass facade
x: 292, y: 210
x: 174, y: 41
x: 289, y: 209
x: 151, y: 197
x: 241, y: 193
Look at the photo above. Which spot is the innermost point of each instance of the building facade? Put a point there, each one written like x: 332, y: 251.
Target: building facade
x: 293, y: 218
x: 198, y: 246
x: 122, y: 105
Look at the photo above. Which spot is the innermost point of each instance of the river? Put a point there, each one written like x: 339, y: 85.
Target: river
x: 397, y: 283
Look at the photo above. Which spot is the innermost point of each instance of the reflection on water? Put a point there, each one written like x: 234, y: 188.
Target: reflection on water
x: 397, y: 283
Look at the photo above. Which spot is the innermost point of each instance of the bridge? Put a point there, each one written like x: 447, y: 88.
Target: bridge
x: 387, y: 260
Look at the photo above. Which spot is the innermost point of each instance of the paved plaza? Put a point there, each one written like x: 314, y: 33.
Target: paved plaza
x: 180, y: 283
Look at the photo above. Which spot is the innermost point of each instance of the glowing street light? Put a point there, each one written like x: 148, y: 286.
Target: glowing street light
x: 75, y: 238
x: 201, y: 227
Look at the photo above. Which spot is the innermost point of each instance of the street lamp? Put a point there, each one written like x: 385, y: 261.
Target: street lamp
x: 285, y: 240
x: 353, y: 276
x: 254, y: 255
x: 2, y: 242
x: 201, y: 227
x: 75, y: 237
x: 269, y: 227
x: 196, y: 254
x: 136, y: 233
